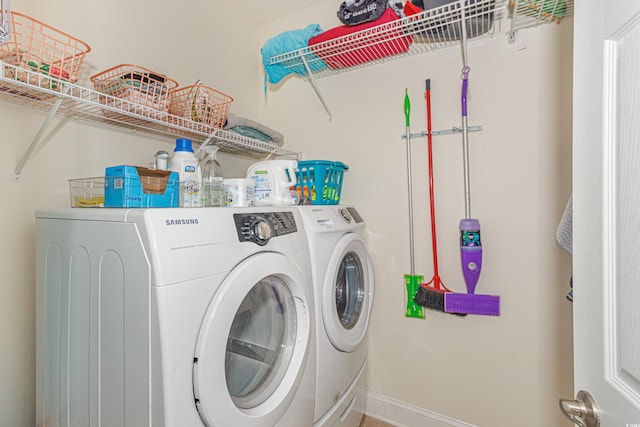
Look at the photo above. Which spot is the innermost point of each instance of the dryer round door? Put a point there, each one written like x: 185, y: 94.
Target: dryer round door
x: 347, y: 293
x: 252, y: 346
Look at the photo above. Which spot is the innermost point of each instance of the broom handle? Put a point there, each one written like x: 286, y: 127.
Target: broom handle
x: 434, y: 244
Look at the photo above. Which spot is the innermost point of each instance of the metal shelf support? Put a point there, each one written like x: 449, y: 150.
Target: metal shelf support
x: 315, y: 87
x: 16, y: 176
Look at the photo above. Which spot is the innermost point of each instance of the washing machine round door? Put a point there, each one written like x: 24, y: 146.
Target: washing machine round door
x: 347, y: 293
x: 252, y: 346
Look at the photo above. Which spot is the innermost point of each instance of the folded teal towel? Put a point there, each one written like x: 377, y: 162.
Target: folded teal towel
x: 243, y: 126
x: 251, y: 133
x: 289, y: 41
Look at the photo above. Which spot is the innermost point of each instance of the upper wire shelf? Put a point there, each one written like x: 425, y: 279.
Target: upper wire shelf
x: 35, y: 90
x: 426, y: 31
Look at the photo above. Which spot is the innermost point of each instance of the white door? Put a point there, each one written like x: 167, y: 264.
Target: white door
x: 606, y: 208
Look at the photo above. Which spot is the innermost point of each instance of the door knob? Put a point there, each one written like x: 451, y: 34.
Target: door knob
x: 582, y: 411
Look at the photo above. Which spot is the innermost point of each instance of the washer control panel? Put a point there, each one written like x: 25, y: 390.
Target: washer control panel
x: 259, y: 228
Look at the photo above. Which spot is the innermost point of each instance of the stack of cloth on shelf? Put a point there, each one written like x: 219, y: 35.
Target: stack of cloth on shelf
x: 366, y: 42
x: 354, y: 12
x: 252, y: 129
x: 478, y: 19
x: 306, y: 53
x: 289, y: 41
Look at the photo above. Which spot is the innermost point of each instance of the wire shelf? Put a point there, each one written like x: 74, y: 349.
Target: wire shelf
x: 531, y: 13
x: 81, y: 103
x: 426, y: 31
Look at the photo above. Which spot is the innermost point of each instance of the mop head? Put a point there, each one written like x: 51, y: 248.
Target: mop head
x: 484, y: 305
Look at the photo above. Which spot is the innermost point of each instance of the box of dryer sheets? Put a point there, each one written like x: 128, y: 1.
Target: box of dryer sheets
x: 139, y: 187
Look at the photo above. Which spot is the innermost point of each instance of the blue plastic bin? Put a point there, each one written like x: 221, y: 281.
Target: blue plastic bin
x: 137, y: 187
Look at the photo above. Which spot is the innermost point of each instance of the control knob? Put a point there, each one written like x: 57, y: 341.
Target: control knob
x: 262, y: 230
x: 346, y: 215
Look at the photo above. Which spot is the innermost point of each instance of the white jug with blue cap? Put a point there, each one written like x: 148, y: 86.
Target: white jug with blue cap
x: 275, y: 180
x: 184, y: 162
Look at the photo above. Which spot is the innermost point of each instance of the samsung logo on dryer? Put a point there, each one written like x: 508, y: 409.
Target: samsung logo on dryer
x: 181, y: 221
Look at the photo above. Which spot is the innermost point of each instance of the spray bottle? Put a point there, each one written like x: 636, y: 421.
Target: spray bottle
x: 212, y: 181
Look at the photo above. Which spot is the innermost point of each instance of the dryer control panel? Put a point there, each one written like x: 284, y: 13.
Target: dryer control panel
x: 259, y: 228
x: 349, y: 214
x: 354, y: 214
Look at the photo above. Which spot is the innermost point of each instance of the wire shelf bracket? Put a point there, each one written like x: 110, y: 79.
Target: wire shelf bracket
x: 16, y: 176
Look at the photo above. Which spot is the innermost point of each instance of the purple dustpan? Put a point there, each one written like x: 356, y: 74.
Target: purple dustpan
x: 487, y: 305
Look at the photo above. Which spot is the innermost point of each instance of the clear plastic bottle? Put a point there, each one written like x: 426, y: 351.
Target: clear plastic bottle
x: 212, y: 181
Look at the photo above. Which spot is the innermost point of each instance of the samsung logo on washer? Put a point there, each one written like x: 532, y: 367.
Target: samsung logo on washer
x: 183, y: 221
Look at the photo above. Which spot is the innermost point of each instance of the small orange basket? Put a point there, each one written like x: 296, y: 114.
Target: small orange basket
x: 43, y: 50
x: 200, y: 104
x: 139, y: 85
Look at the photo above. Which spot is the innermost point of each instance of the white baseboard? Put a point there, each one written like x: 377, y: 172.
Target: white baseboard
x: 402, y: 414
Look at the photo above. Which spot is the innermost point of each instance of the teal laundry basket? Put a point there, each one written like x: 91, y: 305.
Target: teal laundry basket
x: 320, y: 181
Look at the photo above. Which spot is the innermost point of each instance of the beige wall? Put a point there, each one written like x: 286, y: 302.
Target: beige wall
x: 493, y: 372
x: 490, y: 372
x: 211, y: 41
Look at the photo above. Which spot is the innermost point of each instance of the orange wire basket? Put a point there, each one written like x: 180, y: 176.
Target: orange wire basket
x: 139, y: 85
x: 200, y: 104
x: 43, y: 50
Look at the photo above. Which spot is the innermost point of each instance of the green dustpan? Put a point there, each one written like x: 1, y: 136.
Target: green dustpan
x: 413, y: 285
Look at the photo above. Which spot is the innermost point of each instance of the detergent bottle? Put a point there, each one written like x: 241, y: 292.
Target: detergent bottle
x: 185, y: 163
x: 274, y: 180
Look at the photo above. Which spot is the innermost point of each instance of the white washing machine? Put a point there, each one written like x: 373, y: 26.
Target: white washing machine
x: 174, y: 317
x: 344, y: 285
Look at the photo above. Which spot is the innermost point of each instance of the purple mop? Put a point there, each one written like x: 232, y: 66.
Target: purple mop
x: 470, y: 244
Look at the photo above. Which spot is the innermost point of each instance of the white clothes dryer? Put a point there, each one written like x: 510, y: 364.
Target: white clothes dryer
x: 174, y: 317
x: 344, y: 286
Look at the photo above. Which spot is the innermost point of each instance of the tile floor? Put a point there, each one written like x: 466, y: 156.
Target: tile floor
x: 372, y: 422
